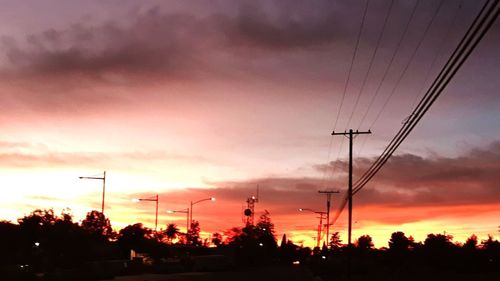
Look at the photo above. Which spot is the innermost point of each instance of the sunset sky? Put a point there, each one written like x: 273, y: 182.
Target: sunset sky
x: 193, y: 99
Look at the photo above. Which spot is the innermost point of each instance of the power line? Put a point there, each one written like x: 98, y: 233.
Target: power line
x: 360, y: 93
x: 477, y: 30
x: 345, y: 89
x: 438, y: 52
x: 386, y: 71
x: 412, y: 57
x: 473, y: 36
x: 352, y: 64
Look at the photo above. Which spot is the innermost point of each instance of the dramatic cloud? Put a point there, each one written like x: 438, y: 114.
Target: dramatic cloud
x: 170, y: 45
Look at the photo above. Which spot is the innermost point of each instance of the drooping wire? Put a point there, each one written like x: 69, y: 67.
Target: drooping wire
x: 345, y: 198
x: 389, y: 65
x: 351, y: 64
x: 482, y: 23
x: 412, y: 57
x: 437, y: 53
x: 356, y: 47
x: 374, y: 54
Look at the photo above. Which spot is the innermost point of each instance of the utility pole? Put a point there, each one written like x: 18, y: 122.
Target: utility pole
x: 103, y: 178
x: 328, y: 199
x: 350, y: 134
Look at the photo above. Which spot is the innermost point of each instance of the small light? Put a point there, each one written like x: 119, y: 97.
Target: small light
x: 135, y: 200
x: 253, y: 197
x: 301, y: 209
x: 296, y: 262
x: 21, y: 266
x: 323, y: 257
x: 170, y: 211
x: 37, y: 244
x: 213, y: 198
x: 260, y: 244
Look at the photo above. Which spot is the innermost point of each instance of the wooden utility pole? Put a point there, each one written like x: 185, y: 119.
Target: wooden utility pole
x: 328, y: 199
x: 350, y: 134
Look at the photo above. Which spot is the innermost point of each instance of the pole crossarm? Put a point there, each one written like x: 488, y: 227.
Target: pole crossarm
x: 328, y: 200
x: 103, y: 178
x: 350, y: 134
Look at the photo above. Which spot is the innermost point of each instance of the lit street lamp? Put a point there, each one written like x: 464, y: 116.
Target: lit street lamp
x: 185, y: 211
x: 320, y: 226
x: 103, y: 178
x: 154, y: 199
x: 196, y: 202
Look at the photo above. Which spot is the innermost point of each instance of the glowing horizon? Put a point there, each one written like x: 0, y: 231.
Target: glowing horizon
x: 192, y: 100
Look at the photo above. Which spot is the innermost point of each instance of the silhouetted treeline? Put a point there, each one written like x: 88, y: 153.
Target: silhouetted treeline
x: 61, y: 249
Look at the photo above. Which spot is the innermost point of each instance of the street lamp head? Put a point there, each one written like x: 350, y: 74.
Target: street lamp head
x: 301, y: 210
x: 170, y: 211
x: 212, y: 198
x: 135, y: 200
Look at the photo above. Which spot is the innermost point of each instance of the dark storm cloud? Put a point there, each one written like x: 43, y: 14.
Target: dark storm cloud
x: 291, y: 24
x: 154, y: 42
x: 172, y: 44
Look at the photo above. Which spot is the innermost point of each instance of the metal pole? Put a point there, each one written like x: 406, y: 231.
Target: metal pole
x: 103, y: 191
x: 191, y: 215
x: 187, y: 220
x: 156, y: 217
x: 349, y: 192
x: 320, y: 228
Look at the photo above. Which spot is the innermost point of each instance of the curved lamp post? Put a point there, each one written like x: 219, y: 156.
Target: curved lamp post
x: 196, y: 202
x: 154, y: 199
x: 103, y: 178
x: 184, y: 211
x: 320, y: 226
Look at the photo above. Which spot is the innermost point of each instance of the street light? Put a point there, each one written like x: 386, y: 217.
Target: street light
x: 154, y: 199
x: 184, y: 211
x: 196, y: 202
x: 103, y: 178
x: 320, y: 226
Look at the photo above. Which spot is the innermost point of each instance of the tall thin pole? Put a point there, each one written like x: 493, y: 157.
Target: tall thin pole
x: 328, y: 204
x: 191, y: 214
x: 103, y: 178
x: 156, y: 217
x: 319, y: 229
x: 187, y: 220
x: 103, y: 191
x: 350, y: 135
x: 350, y: 188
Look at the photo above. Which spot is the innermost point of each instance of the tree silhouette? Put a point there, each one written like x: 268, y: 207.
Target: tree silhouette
x: 265, y: 232
x: 364, y: 243
x: 399, y: 243
x: 471, y: 243
x: 171, y: 232
x: 9, y: 242
x: 97, y: 225
x: 134, y: 237
x: 335, y: 241
x: 490, y: 244
x: 193, y: 234
x: 217, y: 239
x: 438, y: 242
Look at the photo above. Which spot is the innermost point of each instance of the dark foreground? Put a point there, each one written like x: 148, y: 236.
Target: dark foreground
x: 273, y: 273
